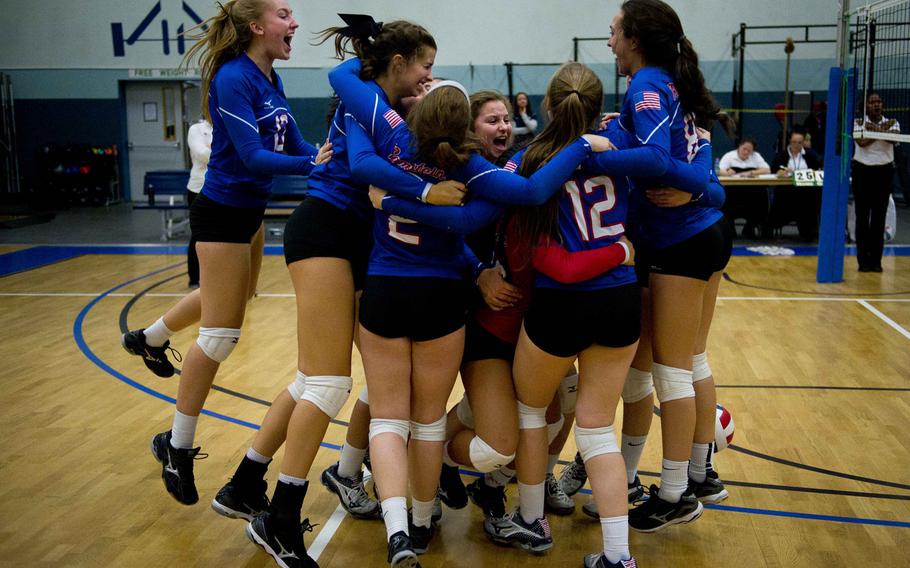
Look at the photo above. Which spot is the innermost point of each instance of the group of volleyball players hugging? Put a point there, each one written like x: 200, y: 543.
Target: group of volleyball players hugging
x: 592, y: 272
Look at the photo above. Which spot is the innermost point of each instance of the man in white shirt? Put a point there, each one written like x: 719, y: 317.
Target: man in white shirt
x: 199, y: 142
x: 744, y: 161
x: 873, y: 174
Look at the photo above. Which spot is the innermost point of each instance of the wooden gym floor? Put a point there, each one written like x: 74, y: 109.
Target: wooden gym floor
x: 816, y: 377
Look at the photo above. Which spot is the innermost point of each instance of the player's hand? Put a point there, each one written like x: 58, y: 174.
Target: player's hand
x: 496, y: 292
x: 607, y: 118
x: 599, y: 143
x: 668, y: 197
x: 631, y: 260
x: 702, y: 133
x: 448, y: 192
x: 376, y: 195
x: 325, y: 153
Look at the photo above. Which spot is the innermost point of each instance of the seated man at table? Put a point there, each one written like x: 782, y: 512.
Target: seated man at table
x: 750, y: 203
x: 744, y: 161
x: 800, y: 204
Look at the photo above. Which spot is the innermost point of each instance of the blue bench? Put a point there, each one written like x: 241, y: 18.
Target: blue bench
x: 287, y: 192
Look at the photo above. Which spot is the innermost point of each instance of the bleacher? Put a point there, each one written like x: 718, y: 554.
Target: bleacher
x: 166, y: 192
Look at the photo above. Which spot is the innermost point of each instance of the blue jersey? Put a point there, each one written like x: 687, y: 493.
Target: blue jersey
x: 252, y: 130
x: 434, y: 247
x: 334, y: 183
x: 592, y: 214
x: 652, y: 113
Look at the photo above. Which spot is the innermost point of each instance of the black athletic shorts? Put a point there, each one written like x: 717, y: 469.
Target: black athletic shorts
x: 566, y: 322
x: 480, y: 344
x: 697, y: 257
x: 213, y: 222
x: 319, y: 229
x: 420, y: 309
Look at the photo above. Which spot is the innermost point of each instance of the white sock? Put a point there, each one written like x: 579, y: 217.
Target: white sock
x: 395, y: 515
x: 499, y: 477
x: 422, y: 512
x: 709, y: 465
x: 616, y: 538
x: 183, y: 430
x: 698, y: 462
x: 446, y: 458
x: 351, y: 461
x: 674, y: 478
x: 256, y: 456
x: 157, y: 333
x: 632, y: 447
x: 531, y: 499
x: 291, y: 480
x: 551, y: 462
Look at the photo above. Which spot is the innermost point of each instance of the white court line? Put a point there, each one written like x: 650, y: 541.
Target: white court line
x: 279, y: 295
x: 899, y: 328
x: 325, y: 535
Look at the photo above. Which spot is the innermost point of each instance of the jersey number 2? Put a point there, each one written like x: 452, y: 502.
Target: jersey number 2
x: 589, y: 222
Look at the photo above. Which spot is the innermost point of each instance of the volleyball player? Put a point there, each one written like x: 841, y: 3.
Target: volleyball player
x: 685, y: 246
x: 253, y: 130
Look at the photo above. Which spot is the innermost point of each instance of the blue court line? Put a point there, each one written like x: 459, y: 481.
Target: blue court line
x: 90, y: 355
x: 38, y: 256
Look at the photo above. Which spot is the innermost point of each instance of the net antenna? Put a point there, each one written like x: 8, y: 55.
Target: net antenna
x: 881, y: 60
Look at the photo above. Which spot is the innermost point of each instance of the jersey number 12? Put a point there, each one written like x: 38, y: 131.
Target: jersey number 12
x: 590, y: 223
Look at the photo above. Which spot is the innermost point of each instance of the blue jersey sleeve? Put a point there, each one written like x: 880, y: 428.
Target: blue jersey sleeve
x: 650, y: 112
x: 714, y: 195
x: 504, y: 186
x: 368, y: 167
x: 384, y: 128
x: 473, y: 265
x: 236, y: 108
x: 472, y: 216
x: 295, y: 145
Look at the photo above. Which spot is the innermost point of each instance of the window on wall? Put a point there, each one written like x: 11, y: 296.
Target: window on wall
x: 169, y: 113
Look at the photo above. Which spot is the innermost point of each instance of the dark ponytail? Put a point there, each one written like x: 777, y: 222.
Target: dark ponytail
x: 662, y: 43
x: 376, y: 43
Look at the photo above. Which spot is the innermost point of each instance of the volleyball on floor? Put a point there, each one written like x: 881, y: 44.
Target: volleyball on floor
x: 723, y: 429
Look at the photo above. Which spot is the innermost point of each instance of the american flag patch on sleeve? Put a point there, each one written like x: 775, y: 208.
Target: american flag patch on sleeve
x: 647, y: 100
x: 392, y: 118
x: 510, y: 166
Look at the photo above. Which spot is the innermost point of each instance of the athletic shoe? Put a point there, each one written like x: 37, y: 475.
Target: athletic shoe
x: 514, y: 531
x: 637, y: 495
x: 656, y: 514
x: 437, y: 509
x: 598, y: 560
x: 177, y: 468
x: 451, y: 488
x: 284, y: 544
x: 637, y: 492
x: 421, y: 537
x: 491, y: 499
x: 711, y: 490
x: 401, y: 551
x: 351, y: 493
x: 239, y: 501
x: 555, y: 499
x: 154, y: 358
x: 573, y: 476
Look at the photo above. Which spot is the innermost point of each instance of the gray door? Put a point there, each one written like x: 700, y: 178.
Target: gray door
x: 156, y: 130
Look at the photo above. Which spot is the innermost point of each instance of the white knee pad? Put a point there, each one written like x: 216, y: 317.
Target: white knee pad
x: 328, y: 392
x: 700, y: 368
x: 530, y: 417
x: 568, y: 394
x: 364, y: 396
x: 639, y: 384
x: 389, y: 426
x: 486, y: 459
x: 433, y: 432
x: 298, y: 387
x: 672, y: 383
x: 593, y: 442
x: 464, y: 413
x: 553, y: 429
x: 217, y: 342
